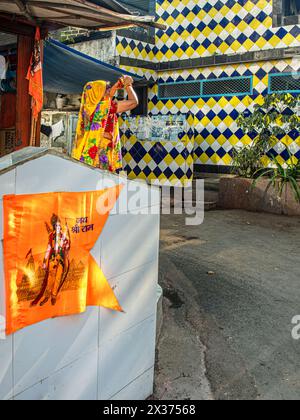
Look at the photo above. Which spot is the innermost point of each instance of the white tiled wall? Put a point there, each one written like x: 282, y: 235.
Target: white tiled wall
x: 7, y: 186
x: 125, y: 357
x: 101, y: 353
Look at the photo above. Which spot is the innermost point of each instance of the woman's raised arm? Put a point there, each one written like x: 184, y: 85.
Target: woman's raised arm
x: 132, y: 101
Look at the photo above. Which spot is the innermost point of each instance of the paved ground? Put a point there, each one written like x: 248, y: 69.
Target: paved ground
x: 231, y: 286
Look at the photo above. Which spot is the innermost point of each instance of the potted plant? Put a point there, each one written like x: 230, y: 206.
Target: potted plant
x: 271, y: 187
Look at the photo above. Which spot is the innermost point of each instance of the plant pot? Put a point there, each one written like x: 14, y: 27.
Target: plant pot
x: 239, y: 193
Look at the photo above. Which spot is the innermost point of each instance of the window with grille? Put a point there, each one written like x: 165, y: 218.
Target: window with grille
x: 281, y: 83
x: 291, y: 7
x: 179, y: 90
x: 227, y: 86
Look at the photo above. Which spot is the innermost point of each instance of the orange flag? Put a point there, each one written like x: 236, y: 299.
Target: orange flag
x: 35, y: 77
x: 49, y: 270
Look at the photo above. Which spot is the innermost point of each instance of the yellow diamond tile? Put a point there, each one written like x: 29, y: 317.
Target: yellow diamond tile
x: 215, y: 158
x: 268, y: 22
x: 262, y: 4
x: 227, y: 159
x: 248, y: 44
x: 280, y: 160
x: 212, y: 13
x: 216, y: 121
x: 207, y: 31
x: 236, y: 8
x: 228, y: 121
x: 159, y: 55
x: 254, y: 24
x: 162, y: 177
x: 175, y: 3
x: 287, y: 140
x: 261, y: 42
x: 235, y: 45
x: 265, y: 161
x: 274, y: 40
x: 233, y: 140
x: 223, y: 47
x: 212, y: 48
x: 242, y: 25
x: 175, y: 36
x: 191, y: 16
x: 180, y: 160
x: 230, y: 27
x: 152, y: 176
x: 195, y: 33
x: 224, y: 10
x: 201, y: 50
x: 202, y: 14
x: 203, y: 158
x: 211, y: 102
x: 205, y: 121
x: 234, y: 101
x: 168, y: 159
x: 169, y: 54
x: 222, y: 139
x: 180, y: 19
x: 218, y: 29
x: 210, y: 139
x: 151, y: 55
x: 288, y: 39
x: 144, y: 54
x: 127, y: 157
x: 164, y: 38
x: 179, y: 53
x: 170, y: 21
x: 190, y: 51
x: 223, y: 102
x: 179, y: 104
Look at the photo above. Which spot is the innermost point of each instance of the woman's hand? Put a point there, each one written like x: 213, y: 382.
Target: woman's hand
x: 128, y: 81
x: 114, y: 89
x: 132, y: 101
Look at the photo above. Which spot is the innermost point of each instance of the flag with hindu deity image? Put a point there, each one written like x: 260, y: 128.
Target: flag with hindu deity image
x: 49, y: 271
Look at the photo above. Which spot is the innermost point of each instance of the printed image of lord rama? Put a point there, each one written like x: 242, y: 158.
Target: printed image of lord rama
x: 56, y: 262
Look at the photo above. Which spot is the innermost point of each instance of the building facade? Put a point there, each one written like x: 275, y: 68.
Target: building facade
x: 216, y: 59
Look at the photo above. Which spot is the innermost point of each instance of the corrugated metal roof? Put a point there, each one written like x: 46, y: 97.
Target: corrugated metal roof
x: 140, y: 5
x: 91, y: 14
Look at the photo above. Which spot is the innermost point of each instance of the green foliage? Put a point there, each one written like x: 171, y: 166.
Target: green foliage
x: 276, y: 115
x: 283, y: 175
x: 246, y: 161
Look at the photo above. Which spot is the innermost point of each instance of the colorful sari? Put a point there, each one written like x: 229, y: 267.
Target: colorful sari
x: 98, y: 115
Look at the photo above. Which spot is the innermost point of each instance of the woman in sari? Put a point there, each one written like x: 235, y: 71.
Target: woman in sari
x: 97, y: 140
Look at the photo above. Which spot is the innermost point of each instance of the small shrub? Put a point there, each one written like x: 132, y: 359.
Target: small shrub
x: 283, y: 175
x: 246, y: 161
x: 275, y: 116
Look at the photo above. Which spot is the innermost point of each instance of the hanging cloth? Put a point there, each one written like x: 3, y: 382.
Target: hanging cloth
x: 35, y: 77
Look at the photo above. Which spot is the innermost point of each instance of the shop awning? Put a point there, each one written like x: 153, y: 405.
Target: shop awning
x: 67, y: 70
x: 90, y: 14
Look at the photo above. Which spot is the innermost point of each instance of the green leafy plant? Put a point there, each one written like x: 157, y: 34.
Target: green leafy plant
x: 246, y: 161
x: 283, y: 175
x: 275, y: 115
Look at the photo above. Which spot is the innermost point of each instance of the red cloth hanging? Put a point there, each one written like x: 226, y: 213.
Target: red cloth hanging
x: 35, y: 77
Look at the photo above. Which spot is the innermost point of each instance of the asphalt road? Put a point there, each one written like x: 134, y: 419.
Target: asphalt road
x: 232, y: 287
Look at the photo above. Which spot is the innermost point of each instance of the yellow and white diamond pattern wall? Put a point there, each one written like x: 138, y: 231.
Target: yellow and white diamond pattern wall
x: 147, y: 73
x: 165, y: 163
x: 204, y: 28
x: 216, y: 132
x: 138, y: 50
